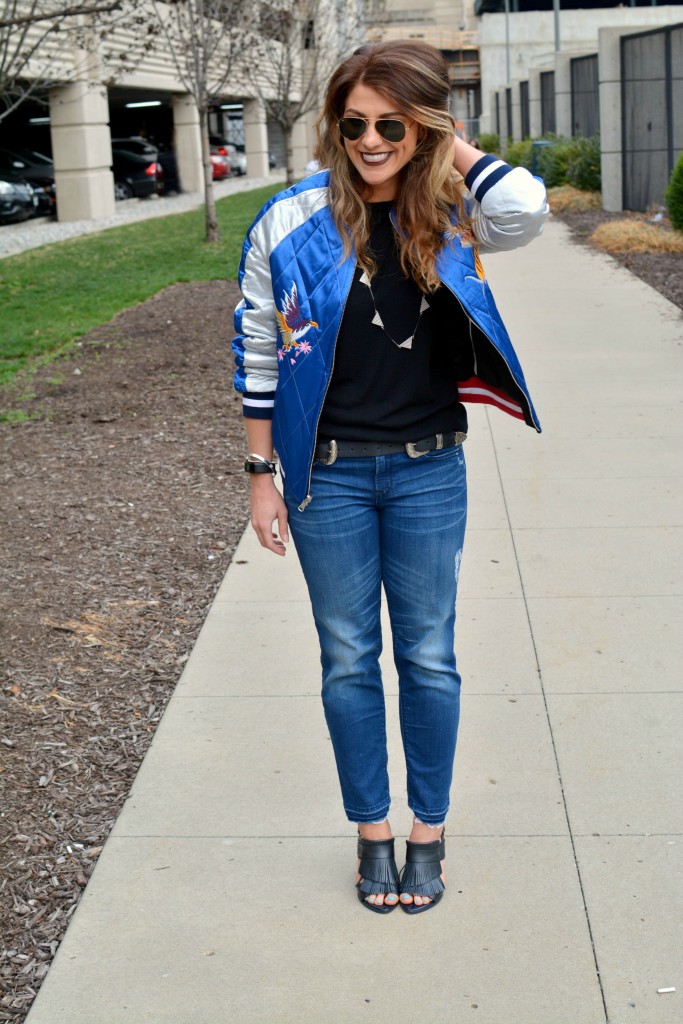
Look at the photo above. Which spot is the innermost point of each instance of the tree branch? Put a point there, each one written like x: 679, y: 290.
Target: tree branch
x: 63, y: 12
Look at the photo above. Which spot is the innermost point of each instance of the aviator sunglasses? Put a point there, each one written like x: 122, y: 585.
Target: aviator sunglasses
x: 390, y: 128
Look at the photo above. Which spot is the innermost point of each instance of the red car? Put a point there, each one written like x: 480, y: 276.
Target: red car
x: 221, y: 166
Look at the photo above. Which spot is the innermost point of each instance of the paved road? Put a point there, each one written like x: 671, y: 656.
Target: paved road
x: 225, y: 891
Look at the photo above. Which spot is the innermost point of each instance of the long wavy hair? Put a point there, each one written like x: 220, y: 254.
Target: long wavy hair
x: 414, y: 76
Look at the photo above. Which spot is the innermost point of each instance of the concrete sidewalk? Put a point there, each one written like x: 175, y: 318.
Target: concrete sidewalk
x: 225, y: 893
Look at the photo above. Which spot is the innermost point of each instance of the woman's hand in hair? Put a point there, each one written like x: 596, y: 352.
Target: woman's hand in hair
x: 464, y: 156
x: 268, y: 507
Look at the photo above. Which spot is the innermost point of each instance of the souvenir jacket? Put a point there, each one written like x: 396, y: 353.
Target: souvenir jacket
x: 295, y: 282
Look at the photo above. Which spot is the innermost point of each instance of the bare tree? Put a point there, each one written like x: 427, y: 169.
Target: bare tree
x: 38, y: 39
x: 206, y: 41
x: 302, y: 42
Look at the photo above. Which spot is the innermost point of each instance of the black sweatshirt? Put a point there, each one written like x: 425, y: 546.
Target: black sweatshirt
x: 378, y: 391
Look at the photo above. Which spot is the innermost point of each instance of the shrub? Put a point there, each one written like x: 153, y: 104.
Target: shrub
x: 553, y: 161
x: 518, y: 154
x: 571, y: 162
x: 489, y: 142
x: 583, y: 170
x: 673, y: 196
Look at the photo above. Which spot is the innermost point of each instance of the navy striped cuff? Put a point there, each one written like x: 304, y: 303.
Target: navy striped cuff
x: 258, y: 406
x: 484, y: 175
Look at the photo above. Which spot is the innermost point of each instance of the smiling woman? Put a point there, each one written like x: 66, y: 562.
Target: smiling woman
x: 365, y: 324
x: 378, y: 140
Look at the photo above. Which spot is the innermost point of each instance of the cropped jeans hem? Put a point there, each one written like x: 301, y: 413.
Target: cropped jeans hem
x: 371, y: 817
x: 430, y: 820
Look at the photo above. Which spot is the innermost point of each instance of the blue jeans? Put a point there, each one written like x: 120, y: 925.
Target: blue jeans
x: 400, y: 522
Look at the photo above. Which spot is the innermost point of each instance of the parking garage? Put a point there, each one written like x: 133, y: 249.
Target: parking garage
x: 75, y: 124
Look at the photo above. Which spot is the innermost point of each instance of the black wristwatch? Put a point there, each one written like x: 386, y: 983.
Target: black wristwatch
x: 258, y: 464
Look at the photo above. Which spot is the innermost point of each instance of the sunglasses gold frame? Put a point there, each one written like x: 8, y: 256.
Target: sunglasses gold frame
x: 377, y: 121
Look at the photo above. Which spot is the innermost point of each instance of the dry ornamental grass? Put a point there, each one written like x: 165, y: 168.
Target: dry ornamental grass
x: 632, y: 236
x: 566, y: 198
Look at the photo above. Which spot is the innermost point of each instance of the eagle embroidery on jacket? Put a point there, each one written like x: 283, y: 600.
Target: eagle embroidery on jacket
x: 293, y: 325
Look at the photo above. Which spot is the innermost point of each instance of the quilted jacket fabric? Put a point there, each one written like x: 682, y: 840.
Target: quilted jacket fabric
x: 295, y: 281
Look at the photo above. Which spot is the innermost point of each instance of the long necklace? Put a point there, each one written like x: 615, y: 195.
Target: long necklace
x: 377, y: 319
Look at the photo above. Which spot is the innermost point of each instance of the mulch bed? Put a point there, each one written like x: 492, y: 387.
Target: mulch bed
x: 662, y: 270
x: 123, y: 502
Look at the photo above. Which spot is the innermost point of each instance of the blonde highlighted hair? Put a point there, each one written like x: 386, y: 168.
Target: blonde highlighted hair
x: 414, y: 76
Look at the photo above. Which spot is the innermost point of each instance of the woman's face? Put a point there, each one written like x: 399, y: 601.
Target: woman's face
x: 377, y: 161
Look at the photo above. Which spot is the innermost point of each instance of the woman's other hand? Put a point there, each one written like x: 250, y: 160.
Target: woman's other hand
x: 268, y: 507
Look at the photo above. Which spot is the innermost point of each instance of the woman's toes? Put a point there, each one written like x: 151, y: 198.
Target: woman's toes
x: 406, y: 897
x: 379, y: 901
x: 390, y: 898
x: 371, y: 898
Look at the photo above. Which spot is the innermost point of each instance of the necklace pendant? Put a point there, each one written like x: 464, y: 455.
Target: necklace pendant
x: 377, y: 320
x: 408, y: 343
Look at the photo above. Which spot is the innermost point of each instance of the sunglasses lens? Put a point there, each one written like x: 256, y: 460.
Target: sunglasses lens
x: 352, y: 127
x: 392, y: 131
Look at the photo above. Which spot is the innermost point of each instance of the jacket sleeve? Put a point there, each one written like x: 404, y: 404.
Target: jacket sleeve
x: 255, y: 343
x: 508, y: 206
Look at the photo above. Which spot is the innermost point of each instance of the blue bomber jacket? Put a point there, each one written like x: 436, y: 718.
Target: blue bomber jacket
x: 295, y: 281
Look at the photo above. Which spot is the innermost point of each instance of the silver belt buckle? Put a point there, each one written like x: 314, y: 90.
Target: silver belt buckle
x: 332, y: 454
x: 412, y: 451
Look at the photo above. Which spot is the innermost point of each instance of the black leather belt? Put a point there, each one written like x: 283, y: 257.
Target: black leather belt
x: 328, y: 452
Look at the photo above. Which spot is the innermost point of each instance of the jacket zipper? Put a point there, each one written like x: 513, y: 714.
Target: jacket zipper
x: 309, y: 498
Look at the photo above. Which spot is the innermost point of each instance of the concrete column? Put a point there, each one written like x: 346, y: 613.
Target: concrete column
x: 535, y: 102
x: 256, y: 139
x: 188, y: 143
x: 81, y: 149
x: 563, y: 94
x: 516, y: 129
x: 504, y: 127
x: 300, y: 148
x: 609, y: 75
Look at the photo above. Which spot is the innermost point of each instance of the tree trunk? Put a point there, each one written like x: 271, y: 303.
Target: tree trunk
x: 212, y: 232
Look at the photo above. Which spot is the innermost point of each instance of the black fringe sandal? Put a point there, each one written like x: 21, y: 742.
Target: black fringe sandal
x: 421, y: 873
x: 378, y: 872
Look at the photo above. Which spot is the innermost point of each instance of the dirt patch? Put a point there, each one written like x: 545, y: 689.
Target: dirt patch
x: 661, y: 270
x: 123, y: 500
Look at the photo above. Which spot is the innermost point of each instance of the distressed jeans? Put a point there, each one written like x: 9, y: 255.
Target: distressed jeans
x: 396, y: 522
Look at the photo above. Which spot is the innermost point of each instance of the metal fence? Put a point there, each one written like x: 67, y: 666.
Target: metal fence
x: 524, y: 109
x: 548, y: 123
x: 652, y: 113
x: 585, y: 96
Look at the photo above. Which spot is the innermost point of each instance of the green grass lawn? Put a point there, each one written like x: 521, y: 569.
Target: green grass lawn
x: 52, y: 295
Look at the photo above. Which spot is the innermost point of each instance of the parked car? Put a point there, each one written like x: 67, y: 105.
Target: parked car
x: 136, y: 144
x: 221, y: 166
x: 17, y: 199
x: 33, y: 168
x: 238, y: 159
x: 219, y: 147
x: 135, y: 174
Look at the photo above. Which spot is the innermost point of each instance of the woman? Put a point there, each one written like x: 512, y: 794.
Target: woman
x: 365, y: 324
